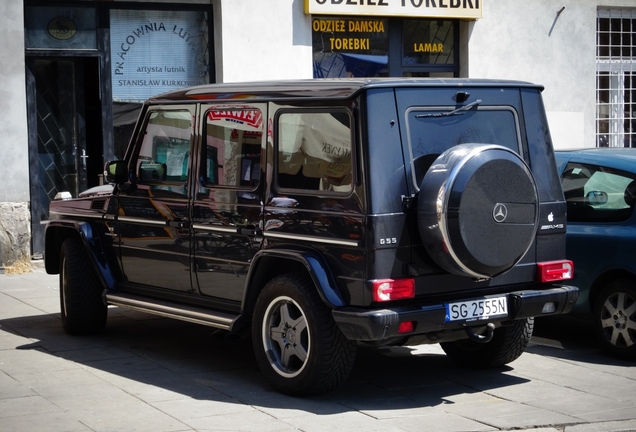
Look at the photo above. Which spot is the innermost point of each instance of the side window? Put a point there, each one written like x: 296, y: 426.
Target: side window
x: 314, y: 151
x: 598, y: 194
x: 165, y: 151
x: 233, y: 147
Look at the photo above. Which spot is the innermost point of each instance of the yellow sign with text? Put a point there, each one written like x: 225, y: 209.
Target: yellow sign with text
x: 462, y: 9
x: 342, y: 34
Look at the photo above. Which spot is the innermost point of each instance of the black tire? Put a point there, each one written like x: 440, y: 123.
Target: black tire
x: 83, y: 309
x: 615, y: 318
x: 507, y: 344
x: 298, y: 346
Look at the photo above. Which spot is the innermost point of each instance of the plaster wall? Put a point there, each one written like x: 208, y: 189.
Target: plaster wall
x: 14, y: 174
x: 548, y: 43
x: 262, y: 40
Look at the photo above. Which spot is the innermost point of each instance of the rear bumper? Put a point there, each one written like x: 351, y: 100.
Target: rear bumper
x: 382, y: 324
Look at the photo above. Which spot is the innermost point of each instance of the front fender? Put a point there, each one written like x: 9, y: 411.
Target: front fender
x: 59, y: 230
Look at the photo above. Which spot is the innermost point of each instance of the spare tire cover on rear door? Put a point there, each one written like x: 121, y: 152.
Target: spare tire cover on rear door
x: 478, y: 210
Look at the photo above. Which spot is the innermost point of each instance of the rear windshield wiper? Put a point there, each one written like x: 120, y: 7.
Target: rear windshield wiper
x: 457, y: 111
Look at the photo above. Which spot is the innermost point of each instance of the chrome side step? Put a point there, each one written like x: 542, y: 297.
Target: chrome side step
x: 185, y: 313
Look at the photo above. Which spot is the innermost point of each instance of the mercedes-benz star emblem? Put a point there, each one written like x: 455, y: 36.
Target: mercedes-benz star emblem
x: 499, y: 213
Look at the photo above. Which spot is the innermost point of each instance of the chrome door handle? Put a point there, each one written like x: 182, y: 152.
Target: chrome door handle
x: 83, y: 157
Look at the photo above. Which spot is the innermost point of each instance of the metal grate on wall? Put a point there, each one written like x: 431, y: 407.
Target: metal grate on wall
x: 616, y: 78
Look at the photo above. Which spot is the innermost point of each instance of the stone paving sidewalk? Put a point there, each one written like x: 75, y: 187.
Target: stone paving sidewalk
x: 146, y: 373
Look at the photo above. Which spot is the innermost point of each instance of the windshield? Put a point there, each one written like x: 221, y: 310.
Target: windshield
x: 431, y: 131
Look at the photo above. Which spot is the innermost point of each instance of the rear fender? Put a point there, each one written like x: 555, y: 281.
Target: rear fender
x: 287, y: 261
x: 59, y: 230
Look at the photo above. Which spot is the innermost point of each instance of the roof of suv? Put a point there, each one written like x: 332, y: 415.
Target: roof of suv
x: 331, y: 88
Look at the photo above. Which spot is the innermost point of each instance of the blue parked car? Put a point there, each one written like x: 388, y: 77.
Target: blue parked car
x: 600, y: 190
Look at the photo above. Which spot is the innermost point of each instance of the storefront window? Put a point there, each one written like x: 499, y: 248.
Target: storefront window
x: 350, y: 47
x: 428, y: 42
x: 156, y: 51
x: 152, y: 52
x: 60, y: 28
x: 373, y: 47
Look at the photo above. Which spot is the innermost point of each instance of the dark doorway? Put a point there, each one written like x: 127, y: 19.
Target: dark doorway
x: 65, y: 139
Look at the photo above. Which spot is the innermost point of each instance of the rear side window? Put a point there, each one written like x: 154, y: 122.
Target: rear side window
x: 432, y: 131
x: 165, y: 151
x: 597, y: 194
x: 314, y: 151
x: 233, y: 147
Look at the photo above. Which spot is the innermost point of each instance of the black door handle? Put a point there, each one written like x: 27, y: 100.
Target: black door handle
x: 249, y: 231
x: 176, y: 223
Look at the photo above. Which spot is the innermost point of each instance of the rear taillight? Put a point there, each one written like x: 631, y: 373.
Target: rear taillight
x: 554, y: 271
x: 390, y: 289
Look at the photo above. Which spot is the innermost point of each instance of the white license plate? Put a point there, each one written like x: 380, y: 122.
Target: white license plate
x: 477, y: 309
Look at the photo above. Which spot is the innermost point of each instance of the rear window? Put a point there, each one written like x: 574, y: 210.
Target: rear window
x: 433, y: 130
x: 314, y: 151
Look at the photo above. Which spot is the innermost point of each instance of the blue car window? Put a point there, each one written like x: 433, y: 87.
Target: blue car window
x: 598, y: 194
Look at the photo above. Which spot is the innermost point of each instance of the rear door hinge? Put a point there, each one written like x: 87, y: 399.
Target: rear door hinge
x: 407, y: 202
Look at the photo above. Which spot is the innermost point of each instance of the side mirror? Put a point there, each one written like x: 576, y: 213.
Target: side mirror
x: 116, y: 172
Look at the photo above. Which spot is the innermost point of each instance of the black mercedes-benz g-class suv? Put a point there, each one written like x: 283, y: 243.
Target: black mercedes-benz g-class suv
x: 321, y: 214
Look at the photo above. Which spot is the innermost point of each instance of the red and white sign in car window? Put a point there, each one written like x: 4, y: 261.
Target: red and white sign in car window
x: 250, y: 119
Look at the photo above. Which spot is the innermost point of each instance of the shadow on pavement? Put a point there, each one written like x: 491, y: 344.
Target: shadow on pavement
x: 142, y: 354
x: 570, y: 337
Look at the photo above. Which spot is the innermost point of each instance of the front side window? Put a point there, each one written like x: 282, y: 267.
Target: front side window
x: 165, y: 152
x: 314, y: 151
x: 597, y: 194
